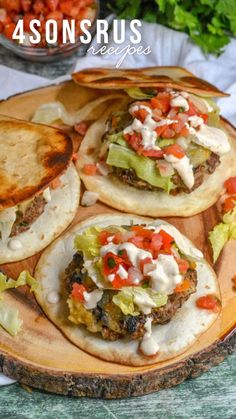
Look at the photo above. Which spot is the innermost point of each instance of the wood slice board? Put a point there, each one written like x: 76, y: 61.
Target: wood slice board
x: 41, y: 357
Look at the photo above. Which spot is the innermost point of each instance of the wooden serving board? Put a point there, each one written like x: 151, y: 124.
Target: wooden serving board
x: 40, y: 356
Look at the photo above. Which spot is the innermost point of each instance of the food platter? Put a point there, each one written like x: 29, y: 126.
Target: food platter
x: 41, y: 357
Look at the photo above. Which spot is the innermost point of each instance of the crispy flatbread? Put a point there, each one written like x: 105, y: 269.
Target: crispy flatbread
x: 173, y: 338
x: 57, y: 215
x: 174, y: 77
x: 31, y: 157
x: 126, y: 198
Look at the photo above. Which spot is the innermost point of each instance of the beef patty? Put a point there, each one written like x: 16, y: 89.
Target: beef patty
x: 25, y: 219
x: 129, y: 177
x: 108, y: 317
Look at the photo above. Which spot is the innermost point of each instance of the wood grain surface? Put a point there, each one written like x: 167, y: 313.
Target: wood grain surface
x: 41, y: 357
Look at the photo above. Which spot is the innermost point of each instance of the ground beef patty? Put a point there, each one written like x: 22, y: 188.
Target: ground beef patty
x: 129, y: 177
x: 25, y: 219
x: 112, y: 323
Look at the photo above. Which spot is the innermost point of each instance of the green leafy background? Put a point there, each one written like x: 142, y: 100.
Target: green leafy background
x: 210, y: 23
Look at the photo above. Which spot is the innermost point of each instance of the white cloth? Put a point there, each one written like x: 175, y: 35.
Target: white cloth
x: 168, y: 48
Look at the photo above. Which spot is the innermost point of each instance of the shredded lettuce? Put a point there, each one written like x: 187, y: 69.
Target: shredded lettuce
x: 165, y: 142
x: 117, y: 138
x: 88, y: 243
x: 124, y: 299
x: 23, y: 279
x: 222, y: 233
x: 137, y: 93
x: 144, y: 167
x: 9, y: 318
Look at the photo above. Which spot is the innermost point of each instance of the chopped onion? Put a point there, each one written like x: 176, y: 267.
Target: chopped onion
x: 135, y: 276
x: 148, y: 267
x: 165, y: 168
x: 89, y: 198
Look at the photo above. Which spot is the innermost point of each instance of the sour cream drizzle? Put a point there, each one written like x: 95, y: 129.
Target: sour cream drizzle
x: 92, y: 298
x: 148, y: 345
x: 183, y: 167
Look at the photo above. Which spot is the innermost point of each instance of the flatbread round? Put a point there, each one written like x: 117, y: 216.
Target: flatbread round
x: 173, y: 338
x: 174, y: 77
x: 126, y: 198
x: 41, y: 151
x: 57, y: 215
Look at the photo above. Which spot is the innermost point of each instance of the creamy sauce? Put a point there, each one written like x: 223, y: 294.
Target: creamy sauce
x: 183, y: 167
x: 212, y: 138
x: 134, y: 253
x: 144, y: 303
x: 92, y: 298
x: 89, y: 198
x: 195, y: 121
x: 164, y: 274
x: 53, y: 297
x: 14, y: 244
x: 47, y: 195
x: 122, y: 272
x: 180, y: 102
x: 148, y: 345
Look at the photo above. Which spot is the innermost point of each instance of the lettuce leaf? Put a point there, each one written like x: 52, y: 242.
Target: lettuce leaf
x: 9, y: 318
x: 87, y: 242
x: 222, y: 233
x: 137, y: 93
x: 125, y: 299
x: 144, y: 167
x: 23, y: 279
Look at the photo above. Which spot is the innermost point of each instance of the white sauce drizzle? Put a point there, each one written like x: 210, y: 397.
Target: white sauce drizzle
x: 14, y: 244
x: 183, y: 167
x: 144, y: 303
x: 179, y: 102
x: 212, y: 138
x: 53, y: 297
x: 164, y: 274
x: 148, y: 345
x: 92, y: 298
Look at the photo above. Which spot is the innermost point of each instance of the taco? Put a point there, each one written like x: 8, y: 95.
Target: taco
x: 127, y: 289
x: 39, y: 187
x: 165, y: 151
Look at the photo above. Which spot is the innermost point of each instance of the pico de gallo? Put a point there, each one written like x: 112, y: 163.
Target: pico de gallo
x: 121, y: 277
x: 226, y: 230
x: 166, y: 140
x: 13, y: 10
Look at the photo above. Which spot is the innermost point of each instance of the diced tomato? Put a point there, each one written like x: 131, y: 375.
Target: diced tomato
x: 142, y: 231
x: 66, y: 6
x: 184, y: 132
x: 137, y: 241
x: 168, y: 132
x: 55, y: 183
x: 208, y: 302
x: 161, y: 101
x: 175, y: 150
x: 26, y: 21
x: 78, y: 292
x: 124, y: 256
x: 103, y: 236
x: 167, y: 240
x: 74, y: 157
x: 192, y: 110
x: 230, y: 185
x: 52, y: 4
x: 90, y: 169
x: 183, y: 286
x: 38, y: 6
x: 153, y: 153
x: 229, y: 203
x: 12, y: 5
x: 204, y: 116
x: 143, y: 262
x: 141, y: 114
x: 135, y: 140
x: 81, y: 128
x: 118, y: 282
x: 26, y: 5
x: 183, y: 265
x: 157, y: 242
x: 9, y: 29
x: 111, y: 263
x: 117, y: 238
